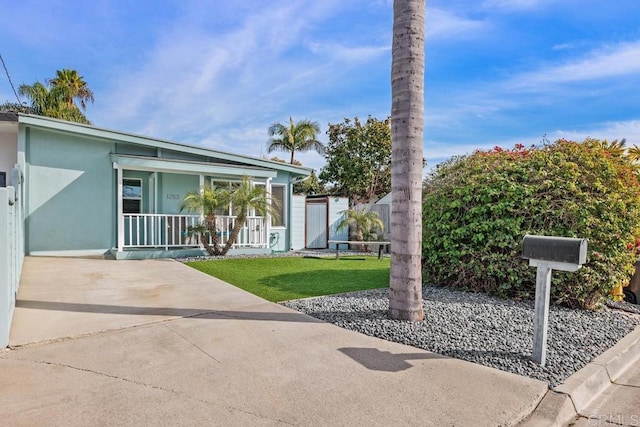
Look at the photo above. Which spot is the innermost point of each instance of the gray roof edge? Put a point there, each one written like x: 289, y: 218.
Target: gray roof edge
x: 97, y: 132
x: 194, y: 162
x: 7, y: 116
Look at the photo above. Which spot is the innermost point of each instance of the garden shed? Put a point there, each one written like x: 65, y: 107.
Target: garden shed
x: 322, y: 216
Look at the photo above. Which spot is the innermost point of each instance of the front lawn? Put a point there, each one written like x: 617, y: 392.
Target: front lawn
x: 287, y: 278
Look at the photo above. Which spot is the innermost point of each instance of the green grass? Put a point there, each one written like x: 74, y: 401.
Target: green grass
x: 286, y: 278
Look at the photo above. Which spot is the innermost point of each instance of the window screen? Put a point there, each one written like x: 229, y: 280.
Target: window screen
x: 277, y: 195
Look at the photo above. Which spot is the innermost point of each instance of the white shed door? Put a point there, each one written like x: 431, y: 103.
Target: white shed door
x: 316, y: 221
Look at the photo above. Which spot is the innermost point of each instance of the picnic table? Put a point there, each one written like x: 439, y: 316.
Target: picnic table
x: 380, y: 244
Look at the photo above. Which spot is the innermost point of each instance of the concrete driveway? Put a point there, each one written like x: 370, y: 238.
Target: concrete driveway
x: 98, y: 342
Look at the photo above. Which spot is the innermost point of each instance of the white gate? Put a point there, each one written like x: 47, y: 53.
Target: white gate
x: 317, y: 223
x: 11, y: 256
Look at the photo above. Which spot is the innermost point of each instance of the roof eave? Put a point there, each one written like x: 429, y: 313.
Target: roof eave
x: 101, y: 133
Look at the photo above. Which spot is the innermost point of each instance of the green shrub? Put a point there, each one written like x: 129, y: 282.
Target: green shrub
x: 478, y: 208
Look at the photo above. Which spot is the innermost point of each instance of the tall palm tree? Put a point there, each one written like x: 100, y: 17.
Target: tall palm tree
x: 300, y: 136
x: 407, y: 124
x: 207, y: 202
x: 244, y: 198
x: 73, y: 87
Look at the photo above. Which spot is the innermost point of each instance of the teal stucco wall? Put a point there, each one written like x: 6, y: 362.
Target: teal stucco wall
x: 171, y: 191
x: 69, y: 193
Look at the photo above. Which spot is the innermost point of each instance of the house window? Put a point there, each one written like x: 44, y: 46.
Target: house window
x: 132, y: 195
x: 229, y: 186
x: 277, y: 195
x: 3, y: 179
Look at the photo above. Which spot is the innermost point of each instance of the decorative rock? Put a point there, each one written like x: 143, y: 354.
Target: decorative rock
x: 480, y: 328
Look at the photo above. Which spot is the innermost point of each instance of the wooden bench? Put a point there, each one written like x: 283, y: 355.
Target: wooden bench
x: 380, y: 245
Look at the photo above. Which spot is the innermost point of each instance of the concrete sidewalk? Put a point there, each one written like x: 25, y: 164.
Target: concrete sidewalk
x: 157, y: 343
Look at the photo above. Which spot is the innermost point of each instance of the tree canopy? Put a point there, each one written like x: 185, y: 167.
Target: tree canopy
x: 358, y: 159
x: 478, y: 208
x: 71, y: 87
x: 311, y: 185
x: 57, y: 97
x: 14, y: 107
x: 300, y: 136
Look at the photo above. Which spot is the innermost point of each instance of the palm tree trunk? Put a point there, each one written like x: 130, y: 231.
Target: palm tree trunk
x: 407, y: 110
x: 205, y: 243
x: 212, y: 249
x: 235, y: 231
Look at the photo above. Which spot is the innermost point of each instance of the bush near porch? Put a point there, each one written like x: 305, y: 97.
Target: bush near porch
x: 287, y: 278
x: 478, y: 208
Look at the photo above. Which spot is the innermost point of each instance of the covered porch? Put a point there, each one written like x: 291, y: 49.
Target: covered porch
x: 149, y: 195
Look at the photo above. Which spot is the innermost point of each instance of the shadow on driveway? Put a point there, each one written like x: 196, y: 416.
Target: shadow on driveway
x: 377, y: 360
x: 165, y: 311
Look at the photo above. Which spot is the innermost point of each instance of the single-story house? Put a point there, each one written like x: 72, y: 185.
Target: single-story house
x: 68, y: 189
x: 87, y: 191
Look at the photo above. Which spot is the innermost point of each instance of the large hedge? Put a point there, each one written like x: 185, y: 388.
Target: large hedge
x: 478, y: 208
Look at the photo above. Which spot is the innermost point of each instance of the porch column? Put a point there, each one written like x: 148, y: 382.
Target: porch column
x: 201, y: 221
x: 267, y: 226
x: 120, y: 209
x: 201, y: 190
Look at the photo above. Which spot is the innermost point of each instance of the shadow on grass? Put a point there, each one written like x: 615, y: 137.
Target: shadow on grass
x: 318, y: 282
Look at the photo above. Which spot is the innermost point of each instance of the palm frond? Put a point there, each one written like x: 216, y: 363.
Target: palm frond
x: 368, y: 224
x: 300, y: 136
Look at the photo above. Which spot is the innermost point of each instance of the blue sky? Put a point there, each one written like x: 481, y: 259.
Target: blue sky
x: 218, y: 73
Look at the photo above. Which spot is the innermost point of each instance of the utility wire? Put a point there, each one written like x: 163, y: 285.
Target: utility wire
x: 9, y: 77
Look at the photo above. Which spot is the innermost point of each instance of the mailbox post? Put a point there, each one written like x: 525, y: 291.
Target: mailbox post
x: 547, y: 254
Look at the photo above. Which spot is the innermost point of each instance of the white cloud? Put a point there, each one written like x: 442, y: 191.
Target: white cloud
x: 356, y: 54
x: 437, y: 152
x: 222, y: 89
x: 513, y: 4
x: 562, y: 46
x: 610, y: 61
x: 630, y: 130
x: 462, y: 108
x: 440, y: 23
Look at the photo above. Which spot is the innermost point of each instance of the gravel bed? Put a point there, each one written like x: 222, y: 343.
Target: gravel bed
x: 298, y: 253
x: 480, y: 328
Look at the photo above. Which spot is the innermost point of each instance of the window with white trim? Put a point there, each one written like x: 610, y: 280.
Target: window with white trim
x: 132, y: 195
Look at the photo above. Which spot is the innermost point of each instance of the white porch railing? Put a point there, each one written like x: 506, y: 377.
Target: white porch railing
x: 252, y: 235
x: 173, y: 231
